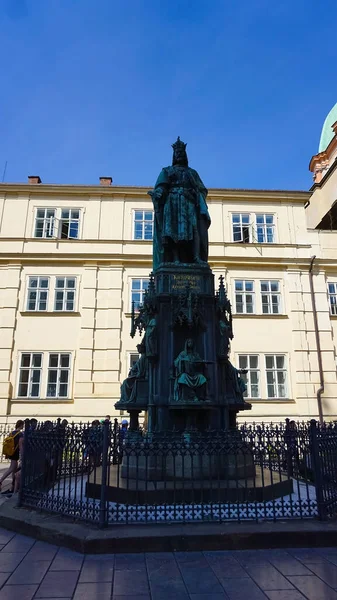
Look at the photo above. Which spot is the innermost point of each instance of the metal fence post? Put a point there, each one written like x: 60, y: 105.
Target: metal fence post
x: 23, y: 462
x: 317, y: 467
x: 106, y: 440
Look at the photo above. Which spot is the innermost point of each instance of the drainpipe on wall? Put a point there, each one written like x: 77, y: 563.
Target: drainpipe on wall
x: 318, y: 343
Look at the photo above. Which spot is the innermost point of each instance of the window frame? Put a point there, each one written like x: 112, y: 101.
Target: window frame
x: 57, y: 221
x: 51, y: 293
x: 143, y: 221
x: 46, y: 225
x: 242, y: 226
x: 141, y: 291
x: 38, y: 289
x: 71, y: 220
x: 244, y: 294
x: 247, y: 377
x: 269, y: 294
x: 265, y: 226
x: 252, y: 227
x: 44, y: 376
x: 332, y: 295
x: 58, y: 370
x: 65, y: 290
x: 30, y: 381
x: 276, y: 370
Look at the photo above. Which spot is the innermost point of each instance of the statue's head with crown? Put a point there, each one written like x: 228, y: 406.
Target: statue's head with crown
x: 179, y: 153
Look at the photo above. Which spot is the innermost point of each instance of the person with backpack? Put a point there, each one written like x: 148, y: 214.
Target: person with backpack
x: 11, y: 449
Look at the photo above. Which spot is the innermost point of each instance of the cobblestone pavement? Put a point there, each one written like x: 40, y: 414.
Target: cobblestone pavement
x: 30, y: 569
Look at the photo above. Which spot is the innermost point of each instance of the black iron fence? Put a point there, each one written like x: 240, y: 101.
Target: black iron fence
x: 257, y: 472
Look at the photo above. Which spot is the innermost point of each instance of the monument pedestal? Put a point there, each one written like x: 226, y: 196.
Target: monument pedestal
x: 263, y: 487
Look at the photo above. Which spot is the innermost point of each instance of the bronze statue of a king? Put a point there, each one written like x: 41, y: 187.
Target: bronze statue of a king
x: 184, y: 379
x: 181, y: 216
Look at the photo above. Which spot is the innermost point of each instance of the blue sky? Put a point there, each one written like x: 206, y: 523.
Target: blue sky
x: 103, y: 87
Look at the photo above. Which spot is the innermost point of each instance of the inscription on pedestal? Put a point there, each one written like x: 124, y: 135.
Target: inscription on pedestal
x: 180, y: 281
x: 199, y: 281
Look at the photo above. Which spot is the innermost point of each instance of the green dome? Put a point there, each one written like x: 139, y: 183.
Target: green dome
x: 327, y: 132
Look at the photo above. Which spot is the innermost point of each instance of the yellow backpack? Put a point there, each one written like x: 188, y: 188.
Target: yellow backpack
x: 9, y: 447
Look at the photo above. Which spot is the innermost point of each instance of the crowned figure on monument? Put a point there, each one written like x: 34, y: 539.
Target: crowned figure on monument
x: 181, y: 215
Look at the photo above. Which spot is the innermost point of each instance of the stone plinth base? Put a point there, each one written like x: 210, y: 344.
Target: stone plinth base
x: 263, y: 487
x: 188, y: 467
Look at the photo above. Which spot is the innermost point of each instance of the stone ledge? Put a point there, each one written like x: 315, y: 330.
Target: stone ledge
x: 165, y: 538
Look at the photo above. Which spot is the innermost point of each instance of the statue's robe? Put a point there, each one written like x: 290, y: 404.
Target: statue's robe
x: 187, y: 372
x: 180, y: 209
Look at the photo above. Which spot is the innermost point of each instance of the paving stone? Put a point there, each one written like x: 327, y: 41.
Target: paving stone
x: 130, y: 561
x: 327, y: 572
x: 268, y: 578
x: 19, y: 543
x: 15, y: 592
x: 250, y: 558
x: 66, y: 560
x: 222, y: 596
x: 58, y: 584
x: 224, y: 565
x: 5, y: 536
x: 326, y: 550
x: 171, y: 590
x: 289, y: 565
x: 313, y: 588
x: 138, y: 597
x: 242, y: 589
x: 285, y: 595
x: 197, y: 574
x: 130, y: 583
x: 165, y: 577
x: 108, y: 558
x: 307, y: 555
x: 273, y: 553
x: 160, y: 568
x: 97, y: 569
x: 31, y: 572
x: 42, y: 551
x: 91, y: 591
x: 10, y: 560
x: 188, y: 556
x: 331, y: 558
x: 161, y: 555
x: 3, y: 578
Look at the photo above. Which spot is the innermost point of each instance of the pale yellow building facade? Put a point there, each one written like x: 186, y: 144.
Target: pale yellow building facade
x: 72, y: 259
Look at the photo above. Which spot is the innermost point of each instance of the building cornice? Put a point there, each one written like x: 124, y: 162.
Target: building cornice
x: 214, y: 194
x: 133, y: 261
x: 326, y: 176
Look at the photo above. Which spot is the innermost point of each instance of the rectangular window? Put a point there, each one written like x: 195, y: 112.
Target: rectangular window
x: 37, y: 297
x: 138, y: 288
x: 265, y: 229
x: 45, y: 223
x: 30, y: 375
x: 270, y: 297
x: 244, y: 296
x: 241, y: 228
x: 332, y: 291
x: 65, y: 289
x: 58, y: 376
x: 143, y: 225
x: 69, y: 223
x: 252, y: 378
x: 276, y: 375
x: 133, y: 359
